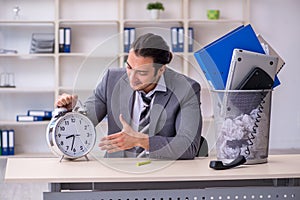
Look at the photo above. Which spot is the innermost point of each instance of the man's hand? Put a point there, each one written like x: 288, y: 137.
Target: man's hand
x: 126, y: 139
x: 66, y: 101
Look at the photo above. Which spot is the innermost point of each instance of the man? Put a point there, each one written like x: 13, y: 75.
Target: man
x: 151, y: 110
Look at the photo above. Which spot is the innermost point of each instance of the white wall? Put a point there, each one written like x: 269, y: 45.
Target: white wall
x: 279, y: 23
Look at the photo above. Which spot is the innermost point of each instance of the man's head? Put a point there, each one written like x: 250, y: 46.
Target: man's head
x: 146, y: 61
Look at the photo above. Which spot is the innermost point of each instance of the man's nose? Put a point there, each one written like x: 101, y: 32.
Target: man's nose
x: 133, y: 75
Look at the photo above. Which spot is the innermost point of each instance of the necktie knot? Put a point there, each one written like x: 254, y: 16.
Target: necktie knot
x: 146, y: 100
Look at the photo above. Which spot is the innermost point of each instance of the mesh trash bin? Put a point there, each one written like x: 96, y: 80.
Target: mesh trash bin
x: 242, y: 124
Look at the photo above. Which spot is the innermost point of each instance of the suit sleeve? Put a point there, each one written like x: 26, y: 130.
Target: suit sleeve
x: 96, y: 104
x: 181, y: 138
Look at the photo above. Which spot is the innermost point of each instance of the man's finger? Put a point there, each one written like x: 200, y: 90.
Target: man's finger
x: 123, y: 122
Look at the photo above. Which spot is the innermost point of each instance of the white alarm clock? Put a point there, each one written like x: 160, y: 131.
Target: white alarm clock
x: 70, y: 135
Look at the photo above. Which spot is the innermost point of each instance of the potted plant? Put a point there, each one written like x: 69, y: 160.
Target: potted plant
x: 155, y: 8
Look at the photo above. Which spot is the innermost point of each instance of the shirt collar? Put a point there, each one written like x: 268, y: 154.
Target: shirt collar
x: 160, y: 87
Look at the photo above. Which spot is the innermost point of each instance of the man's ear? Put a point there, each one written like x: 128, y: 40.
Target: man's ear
x: 162, y: 70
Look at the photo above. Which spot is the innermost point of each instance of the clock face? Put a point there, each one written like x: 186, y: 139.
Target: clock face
x: 74, y: 135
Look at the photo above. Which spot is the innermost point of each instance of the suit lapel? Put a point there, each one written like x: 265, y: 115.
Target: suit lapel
x: 126, y: 99
x: 161, y: 99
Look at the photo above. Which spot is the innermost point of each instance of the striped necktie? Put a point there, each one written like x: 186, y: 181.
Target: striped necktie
x: 145, y: 114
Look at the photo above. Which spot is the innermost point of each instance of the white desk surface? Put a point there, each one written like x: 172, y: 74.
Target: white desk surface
x: 125, y: 170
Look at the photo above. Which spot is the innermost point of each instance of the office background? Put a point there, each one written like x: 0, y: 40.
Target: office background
x: 278, y: 21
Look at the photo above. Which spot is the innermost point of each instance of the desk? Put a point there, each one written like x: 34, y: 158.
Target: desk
x: 184, y: 179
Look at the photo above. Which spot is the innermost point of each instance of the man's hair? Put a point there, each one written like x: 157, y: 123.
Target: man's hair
x: 154, y: 46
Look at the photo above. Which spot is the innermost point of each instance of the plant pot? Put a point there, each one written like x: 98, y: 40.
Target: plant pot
x: 155, y: 13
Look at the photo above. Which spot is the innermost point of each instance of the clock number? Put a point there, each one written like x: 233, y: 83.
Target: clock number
x: 73, y: 120
x: 61, y: 143
x: 85, y: 127
x: 88, y: 134
x: 74, y: 150
x: 67, y: 123
x: 81, y: 148
x: 59, y: 135
x: 62, y: 128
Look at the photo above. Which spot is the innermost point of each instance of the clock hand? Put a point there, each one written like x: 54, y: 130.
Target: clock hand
x: 73, y: 142
x: 69, y: 136
x: 73, y: 136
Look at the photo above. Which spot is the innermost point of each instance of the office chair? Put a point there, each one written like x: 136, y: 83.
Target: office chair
x: 203, y: 149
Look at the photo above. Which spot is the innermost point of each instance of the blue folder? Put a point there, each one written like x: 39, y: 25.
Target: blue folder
x: 214, y: 59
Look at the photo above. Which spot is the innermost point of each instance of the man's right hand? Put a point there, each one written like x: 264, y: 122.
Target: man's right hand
x: 67, y: 101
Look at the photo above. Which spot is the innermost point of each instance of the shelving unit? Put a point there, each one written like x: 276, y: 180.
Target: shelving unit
x: 97, y: 43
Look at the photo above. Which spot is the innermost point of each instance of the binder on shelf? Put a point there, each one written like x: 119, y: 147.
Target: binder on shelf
x: 4, y: 142
x: 129, y: 37
x: 0, y: 142
x: 26, y: 118
x: 126, y: 40
x: 40, y: 113
x: 11, y: 142
x: 67, y: 46
x: 174, y: 39
x: 180, y: 39
x: 61, y: 40
x: 214, y: 59
x: 191, y: 39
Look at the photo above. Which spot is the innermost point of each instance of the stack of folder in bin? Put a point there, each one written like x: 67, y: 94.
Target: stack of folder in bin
x: 215, y: 58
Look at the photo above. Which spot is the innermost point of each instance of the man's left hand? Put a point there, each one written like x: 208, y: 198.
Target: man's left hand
x: 126, y: 139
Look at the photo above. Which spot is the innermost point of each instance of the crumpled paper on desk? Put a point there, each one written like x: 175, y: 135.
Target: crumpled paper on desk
x: 233, y: 136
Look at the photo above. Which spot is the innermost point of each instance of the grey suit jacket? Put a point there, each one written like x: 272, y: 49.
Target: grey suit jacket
x: 175, y: 117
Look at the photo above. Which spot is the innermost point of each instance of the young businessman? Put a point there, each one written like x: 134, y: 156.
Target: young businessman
x: 152, y: 110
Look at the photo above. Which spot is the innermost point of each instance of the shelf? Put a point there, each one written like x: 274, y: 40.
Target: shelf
x: 15, y: 123
x: 219, y: 21
x: 27, y: 90
x: 151, y: 21
x: 88, y: 22
x: 26, y: 56
x: 25, y: 23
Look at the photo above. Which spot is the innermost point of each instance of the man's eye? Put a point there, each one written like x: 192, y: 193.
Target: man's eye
x: 143, y: 73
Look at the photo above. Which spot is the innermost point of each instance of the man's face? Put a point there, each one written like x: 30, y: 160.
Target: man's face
x: 141, y: 72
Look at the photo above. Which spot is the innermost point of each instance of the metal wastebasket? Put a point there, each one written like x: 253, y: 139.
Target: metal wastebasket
x: 242, y: 124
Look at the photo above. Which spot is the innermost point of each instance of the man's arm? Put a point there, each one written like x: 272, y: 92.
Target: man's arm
x: 183, y: 140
